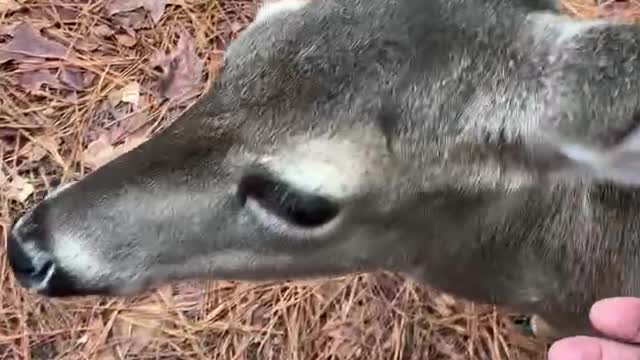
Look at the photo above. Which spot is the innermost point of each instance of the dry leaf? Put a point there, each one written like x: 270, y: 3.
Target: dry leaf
x: 140, y: 324
x: 328, y: 289
x: 92, y: 334
x: 613, y: 9
x: 73, y: 78
x: 10, y: 29
x: 33, y: 80
x: 108, y: 353
x: 9, y: 6
x: 27, y: 63
x: 154, y: 7
x: 35, y: 151
x: 133, y: 20
x: 130, y: 93
x: 28, y: 41
x: 54, y: 13
x: 88, y: 44
x: 7, y: 56
x: 237, y: 26
x: 132, y: 124
x: 444, y: 304
x: 66, y: 13
x: 100, y: 151
x: 114, y: 98
x: 99, y: 121
x: 18, y: 189
x: 88, y: 78
x: 343, y: 338
x: 6, y: 30
x: 126, y: 40
x: 103, y: 30
x: 182, y: 69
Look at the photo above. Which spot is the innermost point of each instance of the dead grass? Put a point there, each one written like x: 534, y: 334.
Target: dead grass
x: 54, y: 133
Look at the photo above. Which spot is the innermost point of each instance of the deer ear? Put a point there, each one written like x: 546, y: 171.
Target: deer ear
x: 619, y: 163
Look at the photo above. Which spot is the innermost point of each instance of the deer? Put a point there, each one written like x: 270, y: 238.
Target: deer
x: 486, y: 148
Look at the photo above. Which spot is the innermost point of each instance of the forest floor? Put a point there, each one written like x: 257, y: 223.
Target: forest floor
x: 87, y: 80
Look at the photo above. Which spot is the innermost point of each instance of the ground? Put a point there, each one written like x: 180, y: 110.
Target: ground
x: 82, y: 81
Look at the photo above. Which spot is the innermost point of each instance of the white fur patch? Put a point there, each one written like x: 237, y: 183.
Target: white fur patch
x: 561, y: 28
x: 581, y: 154
x: 73, y: 256
x: 619, y: 164
x: 330, y: 167
x: 270, y: 9
x: 572, y: 27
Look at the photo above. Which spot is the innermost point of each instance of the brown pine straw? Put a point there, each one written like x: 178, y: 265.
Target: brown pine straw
x: 368, y: 316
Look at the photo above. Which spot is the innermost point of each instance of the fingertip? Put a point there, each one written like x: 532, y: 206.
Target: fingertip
x: 617, y: 317
x: 575, y: 348
x: 615, y: 303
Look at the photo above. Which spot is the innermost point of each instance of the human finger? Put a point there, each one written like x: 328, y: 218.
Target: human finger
x: 617, y: 318
x: 591, y: 348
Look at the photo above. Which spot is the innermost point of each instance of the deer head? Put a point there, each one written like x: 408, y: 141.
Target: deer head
x: 341, y: 136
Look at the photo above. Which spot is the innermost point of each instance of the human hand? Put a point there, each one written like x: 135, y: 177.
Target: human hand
x: 617, y: 318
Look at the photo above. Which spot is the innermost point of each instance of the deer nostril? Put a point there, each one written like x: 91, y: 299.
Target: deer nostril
x: 39, y: 274
x: 31, y: 270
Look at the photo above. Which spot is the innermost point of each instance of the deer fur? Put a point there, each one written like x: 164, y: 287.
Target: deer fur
x: 484, y: 147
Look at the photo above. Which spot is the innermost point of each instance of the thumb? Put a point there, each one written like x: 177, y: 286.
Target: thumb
x: 617, y: 318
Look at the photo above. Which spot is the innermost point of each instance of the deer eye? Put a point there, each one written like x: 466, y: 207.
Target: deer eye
x: 292, y: 205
